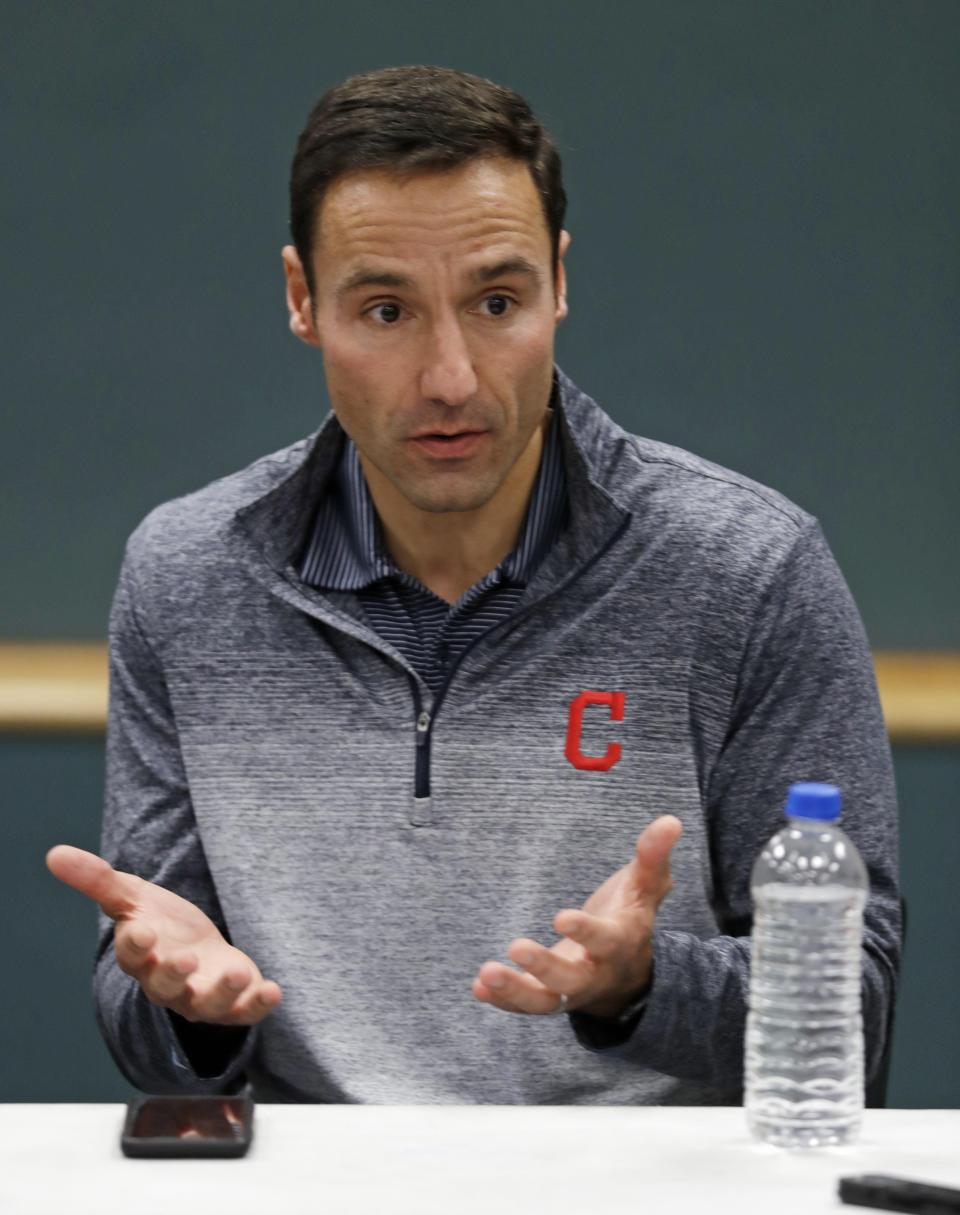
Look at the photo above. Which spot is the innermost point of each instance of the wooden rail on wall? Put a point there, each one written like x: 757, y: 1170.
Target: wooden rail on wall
x: 48, y: 688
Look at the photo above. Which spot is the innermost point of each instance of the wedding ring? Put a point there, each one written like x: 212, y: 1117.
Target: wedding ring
x: 561, y: 1008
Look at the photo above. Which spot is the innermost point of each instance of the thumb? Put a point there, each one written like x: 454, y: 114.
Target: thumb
x: 94, y: 877
x: 652, y: 861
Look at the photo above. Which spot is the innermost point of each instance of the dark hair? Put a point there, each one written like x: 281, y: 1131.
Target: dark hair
x: 416, y: 118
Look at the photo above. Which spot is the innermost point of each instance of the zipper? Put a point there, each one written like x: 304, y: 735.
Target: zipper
x: 425, y: 720
x: 422, y: 776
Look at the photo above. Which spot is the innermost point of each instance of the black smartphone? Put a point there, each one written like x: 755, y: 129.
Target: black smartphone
x: 899, y: 1194
x: 188, y: 1126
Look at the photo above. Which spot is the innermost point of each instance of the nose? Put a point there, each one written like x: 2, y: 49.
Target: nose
x: 448, y: 376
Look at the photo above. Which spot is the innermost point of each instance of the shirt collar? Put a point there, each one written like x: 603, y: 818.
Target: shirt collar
x: 346, y: 553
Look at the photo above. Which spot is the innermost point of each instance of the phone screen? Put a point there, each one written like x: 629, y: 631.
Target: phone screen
x: 190, y: 1118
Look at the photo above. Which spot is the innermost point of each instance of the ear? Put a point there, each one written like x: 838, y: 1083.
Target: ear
x: 561, y: 286
x: 299, y: 304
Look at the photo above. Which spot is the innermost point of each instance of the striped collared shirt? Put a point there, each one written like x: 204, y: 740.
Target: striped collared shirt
x: 346, y: 553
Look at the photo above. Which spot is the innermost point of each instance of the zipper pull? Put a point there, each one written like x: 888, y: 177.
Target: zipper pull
x: 423, y: 727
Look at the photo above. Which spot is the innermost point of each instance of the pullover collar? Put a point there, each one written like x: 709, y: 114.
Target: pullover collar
x: 273, y: 530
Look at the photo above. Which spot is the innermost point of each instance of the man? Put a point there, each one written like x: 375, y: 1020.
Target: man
x: 458, y: 668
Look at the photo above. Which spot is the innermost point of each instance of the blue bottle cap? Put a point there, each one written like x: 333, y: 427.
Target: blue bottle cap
x: 811, y: 800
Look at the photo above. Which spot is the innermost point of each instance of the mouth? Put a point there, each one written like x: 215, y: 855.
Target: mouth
x: 449, y: 444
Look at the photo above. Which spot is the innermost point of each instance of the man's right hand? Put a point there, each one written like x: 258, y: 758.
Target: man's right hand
x: 175, y: 952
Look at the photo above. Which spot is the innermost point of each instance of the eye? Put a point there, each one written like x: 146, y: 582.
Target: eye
x: 501, y: 304
x: 389, y: 313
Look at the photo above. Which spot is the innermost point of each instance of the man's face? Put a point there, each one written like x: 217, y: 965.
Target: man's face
x: 435, y: 309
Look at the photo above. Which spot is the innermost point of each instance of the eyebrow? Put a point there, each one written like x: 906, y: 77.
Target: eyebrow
x: 366, y: 277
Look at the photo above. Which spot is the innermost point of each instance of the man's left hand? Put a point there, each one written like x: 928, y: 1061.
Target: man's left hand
x: 604, y: 960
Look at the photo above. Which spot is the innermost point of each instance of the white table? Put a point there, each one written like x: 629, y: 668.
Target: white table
x: 460, y: 1160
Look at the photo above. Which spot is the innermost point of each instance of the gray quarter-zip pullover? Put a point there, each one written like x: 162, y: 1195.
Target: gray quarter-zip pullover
x: 273, y: 759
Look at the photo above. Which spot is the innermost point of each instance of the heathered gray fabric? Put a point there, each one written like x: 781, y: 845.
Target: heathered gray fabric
x: 261, y: 763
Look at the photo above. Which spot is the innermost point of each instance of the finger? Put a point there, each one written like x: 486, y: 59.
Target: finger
x: 601, y: 938
x: 96, y: 878
x: 513, y: 992
x: 166, y: 982
x: 133, y: 943
x: 652, y: 860
x: 256, y: 1003
x: 567, y: 975
x: 216, y: 1001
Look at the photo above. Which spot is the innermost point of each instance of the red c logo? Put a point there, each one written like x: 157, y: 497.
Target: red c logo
x: 593, y: 763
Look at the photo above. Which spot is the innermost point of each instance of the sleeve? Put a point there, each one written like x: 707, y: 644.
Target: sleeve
x: 805, y: 708
x: 149, y: 829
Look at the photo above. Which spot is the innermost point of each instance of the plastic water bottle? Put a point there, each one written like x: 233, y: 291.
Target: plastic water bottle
x: 804, y: 1079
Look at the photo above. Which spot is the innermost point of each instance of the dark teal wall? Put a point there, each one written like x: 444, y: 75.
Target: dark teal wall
x: 763, y: 200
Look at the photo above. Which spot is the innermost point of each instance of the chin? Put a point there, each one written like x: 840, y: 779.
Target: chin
x: 450, y: 499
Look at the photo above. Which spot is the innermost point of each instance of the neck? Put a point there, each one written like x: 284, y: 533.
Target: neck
x: 449, y: 551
